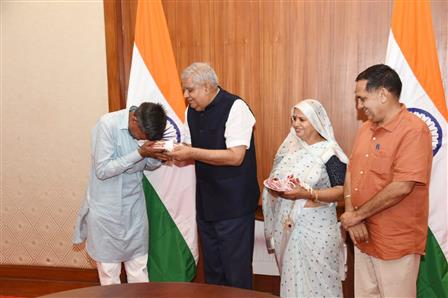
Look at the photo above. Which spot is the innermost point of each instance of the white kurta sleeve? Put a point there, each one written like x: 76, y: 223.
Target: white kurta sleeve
x: 239, y: 125
x: 186, y: 130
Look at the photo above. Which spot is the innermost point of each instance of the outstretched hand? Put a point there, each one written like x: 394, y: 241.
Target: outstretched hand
x: 180, y: 152
x: 295, y: 194
x: 298, y: 192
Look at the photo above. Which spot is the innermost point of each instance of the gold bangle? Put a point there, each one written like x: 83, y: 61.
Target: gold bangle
x: 347, y: 197
x: 316, y: 197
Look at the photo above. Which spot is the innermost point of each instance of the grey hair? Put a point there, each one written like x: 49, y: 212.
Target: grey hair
x: 200, y: 73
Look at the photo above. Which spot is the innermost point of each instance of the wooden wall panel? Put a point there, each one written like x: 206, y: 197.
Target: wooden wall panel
x: 114, y: 49
x: 189, y: 25
x: 128, y: 11
x: 276, y: 53
x: 119, y: 17
x: 235, y: 51
x: 278, y: 46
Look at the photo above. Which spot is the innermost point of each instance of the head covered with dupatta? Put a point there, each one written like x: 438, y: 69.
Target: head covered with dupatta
x: 317, y: 116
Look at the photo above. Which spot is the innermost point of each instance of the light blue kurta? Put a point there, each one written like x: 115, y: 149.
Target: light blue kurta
x: 113, y: 218
x: 308, y: 255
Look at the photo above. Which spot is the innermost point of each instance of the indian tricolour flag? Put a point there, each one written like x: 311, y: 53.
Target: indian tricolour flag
x: 170, y: 190
x: 412, y: 53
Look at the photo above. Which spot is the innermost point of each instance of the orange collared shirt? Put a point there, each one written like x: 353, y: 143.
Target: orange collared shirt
x: 401, y: 150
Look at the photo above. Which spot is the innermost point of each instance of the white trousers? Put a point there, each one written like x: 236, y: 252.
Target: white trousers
x: 136, y: 271
x: 379, y: 278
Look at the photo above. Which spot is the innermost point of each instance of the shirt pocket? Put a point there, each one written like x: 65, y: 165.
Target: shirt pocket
x: 381, y: 166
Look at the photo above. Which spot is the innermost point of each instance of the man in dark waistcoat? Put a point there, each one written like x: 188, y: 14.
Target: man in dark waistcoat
x: 219, y: 138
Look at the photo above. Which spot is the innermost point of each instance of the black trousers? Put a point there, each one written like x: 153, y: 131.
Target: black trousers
x: 228, y: 247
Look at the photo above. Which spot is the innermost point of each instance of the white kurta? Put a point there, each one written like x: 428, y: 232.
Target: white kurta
x: 113, y: 217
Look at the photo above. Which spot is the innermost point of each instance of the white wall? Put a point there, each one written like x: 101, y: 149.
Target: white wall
x: 53, y: 89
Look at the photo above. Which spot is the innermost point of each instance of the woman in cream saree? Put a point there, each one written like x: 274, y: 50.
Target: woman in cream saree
x: 301, y: 225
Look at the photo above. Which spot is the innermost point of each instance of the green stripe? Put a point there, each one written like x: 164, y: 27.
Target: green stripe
x: 433, y: 275
x: 169, y: 258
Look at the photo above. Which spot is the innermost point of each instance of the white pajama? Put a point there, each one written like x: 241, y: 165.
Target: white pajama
x: 136, y: 271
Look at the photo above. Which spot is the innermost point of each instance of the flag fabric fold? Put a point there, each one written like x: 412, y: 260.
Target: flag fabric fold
x: 170, y: 190
x: 411, y: 51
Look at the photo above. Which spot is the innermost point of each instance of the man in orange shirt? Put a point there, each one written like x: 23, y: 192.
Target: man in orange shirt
x: 386, y: 188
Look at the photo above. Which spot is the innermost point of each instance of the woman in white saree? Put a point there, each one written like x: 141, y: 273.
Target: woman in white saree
x: 301, y: 225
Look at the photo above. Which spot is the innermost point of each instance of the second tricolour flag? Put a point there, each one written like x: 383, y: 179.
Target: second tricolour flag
x: 412, y: 53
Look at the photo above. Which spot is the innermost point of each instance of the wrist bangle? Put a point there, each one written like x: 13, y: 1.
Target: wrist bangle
x: 347, y: 197
x: 314, y: 196
x: 311, y: 191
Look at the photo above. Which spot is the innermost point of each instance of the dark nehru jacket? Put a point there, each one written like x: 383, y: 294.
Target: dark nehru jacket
x: 222, y: 192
